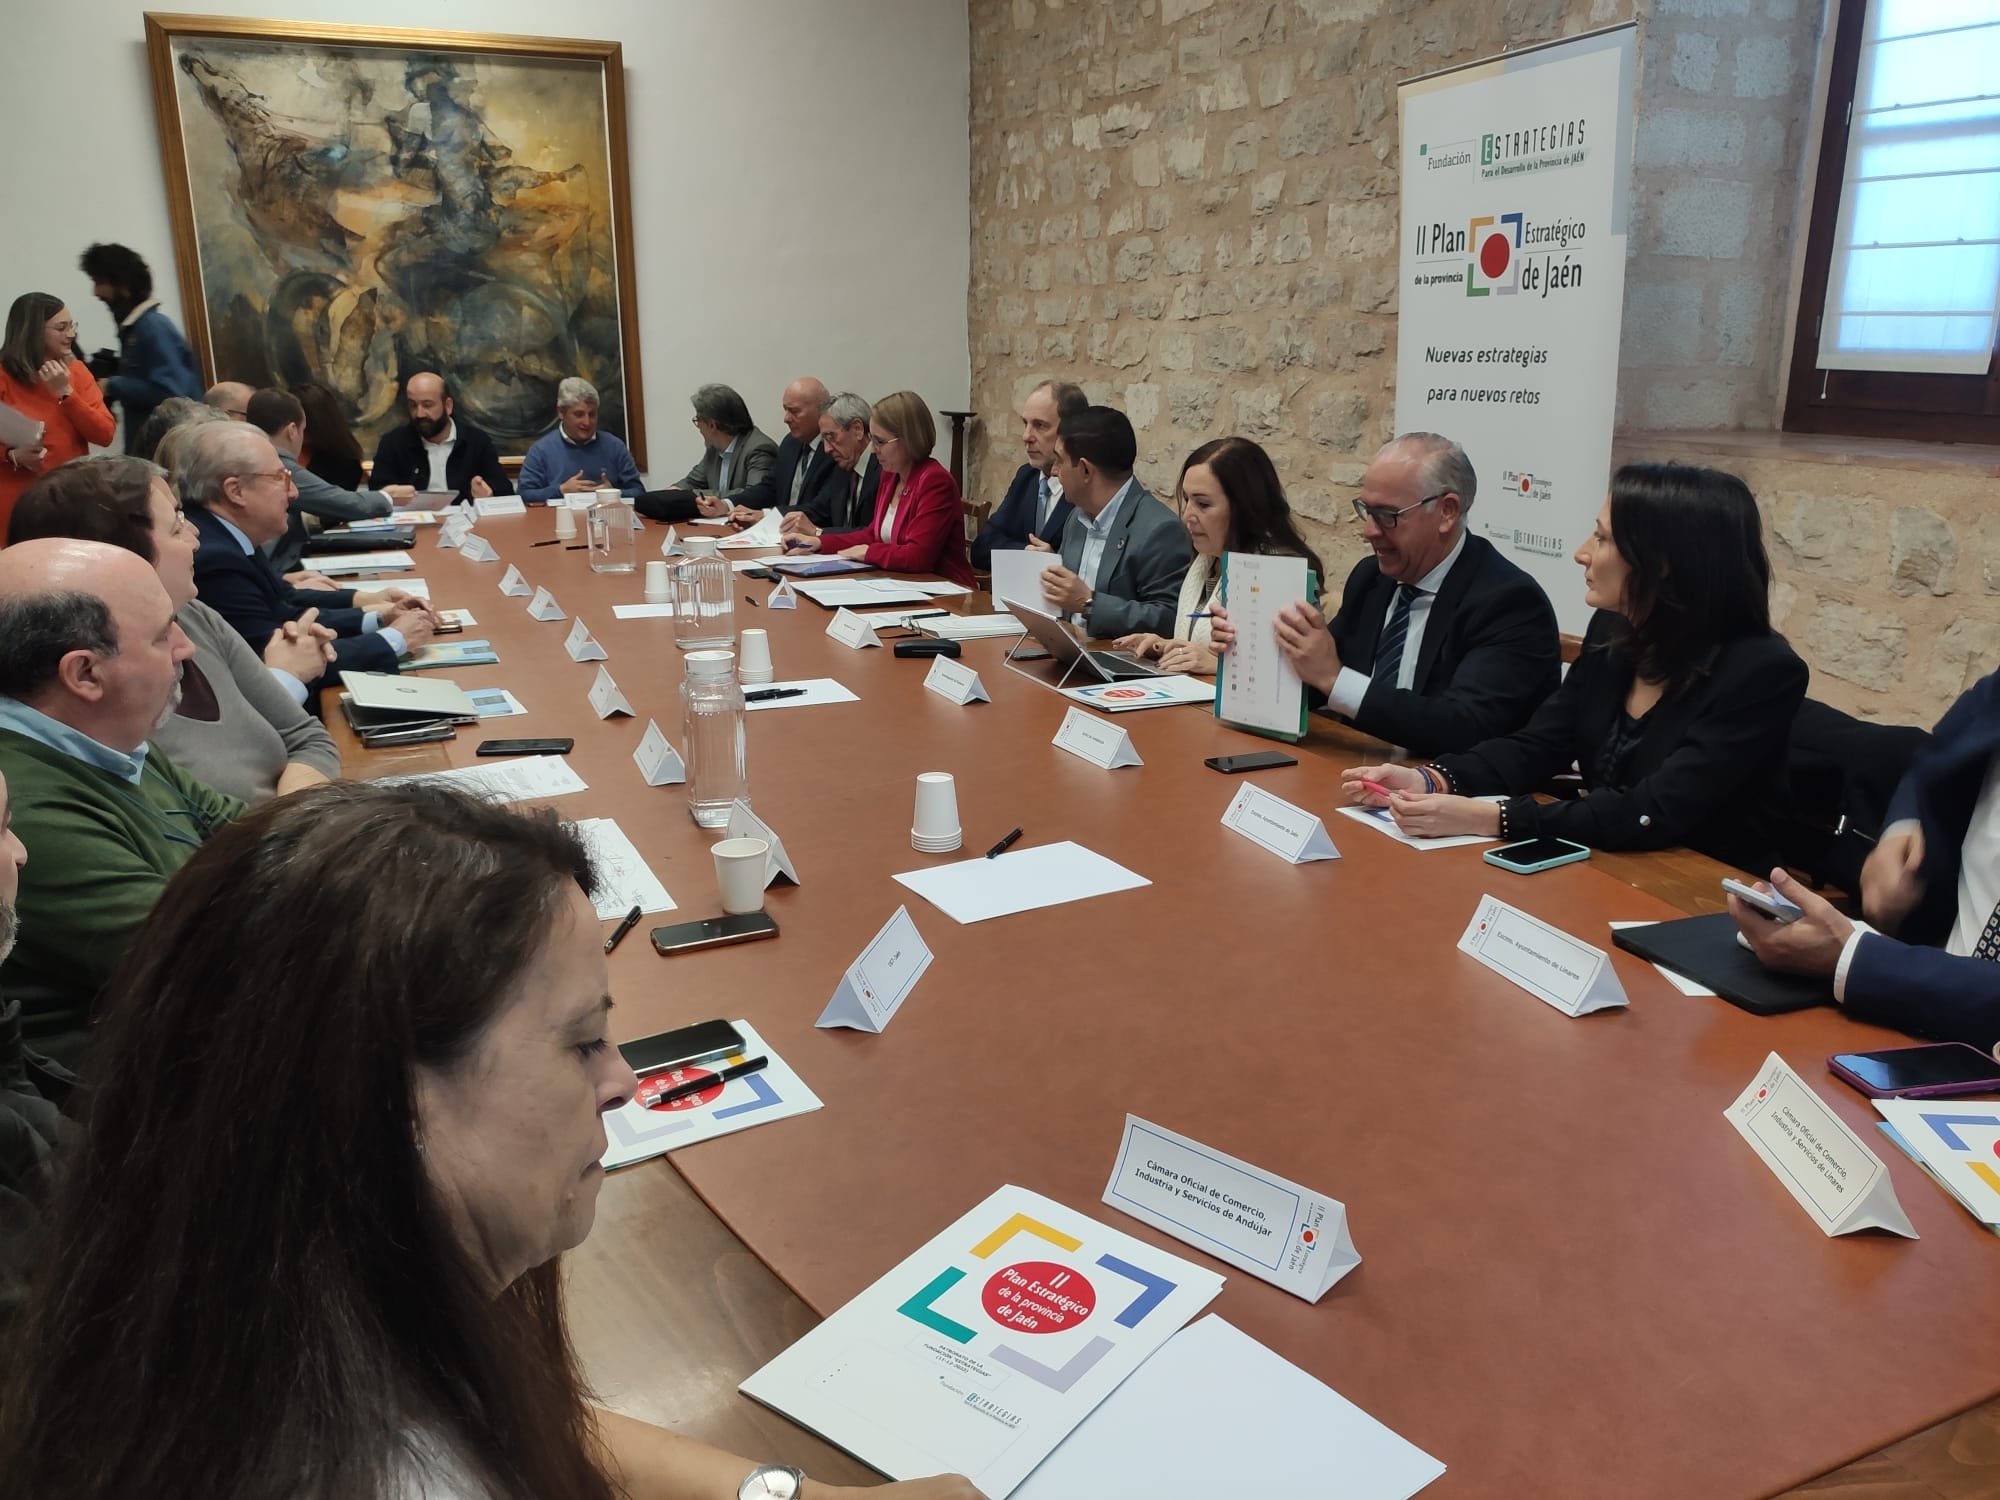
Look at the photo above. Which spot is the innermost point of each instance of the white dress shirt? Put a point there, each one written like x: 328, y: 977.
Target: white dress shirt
x: 438, y: 451
x: 1350, y: 687
x: 1095, y: 534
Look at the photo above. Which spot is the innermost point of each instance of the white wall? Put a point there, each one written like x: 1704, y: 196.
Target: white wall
x: 800, y: 180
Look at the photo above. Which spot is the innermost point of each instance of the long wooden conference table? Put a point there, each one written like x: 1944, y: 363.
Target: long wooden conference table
x: 1577, y: 1280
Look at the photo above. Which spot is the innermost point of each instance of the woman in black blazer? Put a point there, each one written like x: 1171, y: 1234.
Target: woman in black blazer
x: 1676, y: 713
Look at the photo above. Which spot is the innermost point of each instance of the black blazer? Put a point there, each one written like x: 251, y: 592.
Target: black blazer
x: 400, y: 459
x: 831, y: 509
x: 1489, y: 655
x: 774, y: 490
x: 1707, y: 771
x: 247, y: 591
x: 1010, y: 526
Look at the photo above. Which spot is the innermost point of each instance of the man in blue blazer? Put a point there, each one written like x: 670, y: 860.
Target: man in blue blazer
x: 1034, y: 505
x: 1123, y: 553
x: 1933, y: 880
x: 238, y: 492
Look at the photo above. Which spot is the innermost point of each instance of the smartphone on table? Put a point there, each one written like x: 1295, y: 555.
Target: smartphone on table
x: 1934, y: 1071
x: 703, y: 1042
x: 1257, y: 760
x: 526, y: 747
x: 714, y: 932
x: 1530, y: 856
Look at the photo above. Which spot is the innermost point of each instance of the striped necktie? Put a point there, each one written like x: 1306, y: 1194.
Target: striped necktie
x: 1389, y: 650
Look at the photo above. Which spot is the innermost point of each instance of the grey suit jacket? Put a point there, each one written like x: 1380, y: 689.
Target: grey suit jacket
x: 1138, y: 582
x: 755, y: 454
x: 327, y: 501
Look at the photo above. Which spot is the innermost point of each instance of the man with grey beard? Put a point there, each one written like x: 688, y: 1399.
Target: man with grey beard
x: 90, y: 659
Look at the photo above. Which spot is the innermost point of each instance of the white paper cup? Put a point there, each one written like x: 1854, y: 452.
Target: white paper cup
x: 609, y: 492
x: 739, y: 870
x: 753, y: 660
x: 937, y: 808
x: 565, y: 522
x: 657, y: 589
x: 701, y: 546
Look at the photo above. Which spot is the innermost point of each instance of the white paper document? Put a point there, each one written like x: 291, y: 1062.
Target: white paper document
x: 416, y: 588
x: 1100, y: 743
x: 495, y: 703
x: 1017, y: 575
x: 581, y: 644
x: 876, y: 984
x: 544, y: 607
x: 363, y: 562
x: 624, y: 879
x: 937, y: 588
x: 657, y: 760
x: 973, y: 627
x: 1956, y: 1141
x: 1378, y: 819
x: 818, y: 690
x: 1172, y: 691
x: 1278, y: 1230
x: 663, y: 611
x: 954, y: 682
x: 974, y: 890
x: 522, y: 780
x: 18, y: 429
x: 1284, y: 828
x: 763, y: 534
x: 499, y: 505
x: 1213, y: 1414
x: 1557, y: 969
x: 984, y: 1349
x: 639, y: 1133
x: 605, y: 696
x: 851, y: 629
x: 1823, y: 1164
x: 1260, y: 686
x: 744, y: 824
x: 852, y: 593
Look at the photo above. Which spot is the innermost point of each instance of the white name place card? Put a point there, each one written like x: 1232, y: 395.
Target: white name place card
x: 1273, y: 1228
x: 476, y: 548
x: 1100, y: 743
x: 671, y: 544
x: 1822, y: 1163
x: 875, y: 985
x: 455, y: 528
x: 580, y: 645
x: 1287, y: 830
x: 955, y: 683
x: 659, y: 762
x: 744, y: 824
x: 604, y: 695
x: 783, y: 596
x: 544, y: 607
x: 1545, y: 961
x: 499, y: 505
x: 513, y: 585
x: 851, y: 630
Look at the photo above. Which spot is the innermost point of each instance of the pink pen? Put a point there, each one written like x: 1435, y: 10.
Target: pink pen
x: 1376, y: 787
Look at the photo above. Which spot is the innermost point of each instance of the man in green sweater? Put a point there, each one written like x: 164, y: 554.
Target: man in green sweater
x: 90, y: 661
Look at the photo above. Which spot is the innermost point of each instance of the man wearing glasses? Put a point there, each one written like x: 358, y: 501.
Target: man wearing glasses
x: 1440, y: 642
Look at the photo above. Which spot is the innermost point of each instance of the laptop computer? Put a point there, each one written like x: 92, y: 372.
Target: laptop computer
x: 1052, y: 633
x: 381, y: 700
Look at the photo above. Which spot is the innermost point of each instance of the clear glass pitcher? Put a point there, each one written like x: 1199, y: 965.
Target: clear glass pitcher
x: 712, y: 741
x: 704, y: 602
x: 608, y: 531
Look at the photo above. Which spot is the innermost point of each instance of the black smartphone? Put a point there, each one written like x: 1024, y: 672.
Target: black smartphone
x: 714, y: 932
x: 1936, y: 1071
x: 927, y: 648
x: 764, y: 573
x: 454, y: 628
x: 705, y: 1041
x: 421, y: 734
x: 1261, y: 760
x: 525, y: 747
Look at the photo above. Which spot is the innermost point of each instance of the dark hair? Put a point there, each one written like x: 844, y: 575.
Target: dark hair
x: 163, y: 419
x: 1069, y: 399
x: 722, y: 406
x: 270, y: 410
x: 1260, y: 519
x: 114, y: 265
x: 1101, y: 436
x: 38, y: 630
x: 326, y: 423
x: 23, y: 350
x: 106, y: 500
x: 1700, y: 577
x: 250, y: 1285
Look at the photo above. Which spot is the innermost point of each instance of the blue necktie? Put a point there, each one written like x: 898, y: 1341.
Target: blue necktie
x: 1042, y: 508
x: 1389, y: 650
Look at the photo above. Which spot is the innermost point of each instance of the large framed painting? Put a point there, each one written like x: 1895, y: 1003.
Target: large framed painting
x: 353, y: 204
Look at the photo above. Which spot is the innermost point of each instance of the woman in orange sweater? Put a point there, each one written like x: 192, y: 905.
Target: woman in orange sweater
x: 40, y: 380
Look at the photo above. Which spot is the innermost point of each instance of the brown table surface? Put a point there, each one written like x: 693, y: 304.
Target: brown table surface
x: 1577, y: 1279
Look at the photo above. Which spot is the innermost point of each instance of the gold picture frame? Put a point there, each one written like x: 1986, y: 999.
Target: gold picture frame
x: 354, y: 203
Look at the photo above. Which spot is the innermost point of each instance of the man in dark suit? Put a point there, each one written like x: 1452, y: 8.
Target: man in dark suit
x: 1933, y: 881
x: 804, y: 471
x: 847, y: 504
x: 1123, y: 553
x: 1034, y: 505
x: 438, y: 449
x: 1440, y: 642
x: 237, y: 492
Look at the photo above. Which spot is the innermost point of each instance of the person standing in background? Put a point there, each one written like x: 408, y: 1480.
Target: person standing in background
x: 154, y: 361
x: 41, y: 378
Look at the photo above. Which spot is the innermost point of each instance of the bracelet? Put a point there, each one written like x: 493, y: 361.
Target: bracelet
x: 1430, y: 781
x: 1445, y: 778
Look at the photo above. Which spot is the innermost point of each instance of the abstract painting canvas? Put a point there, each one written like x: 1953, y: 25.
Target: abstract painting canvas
x: 353, y: 204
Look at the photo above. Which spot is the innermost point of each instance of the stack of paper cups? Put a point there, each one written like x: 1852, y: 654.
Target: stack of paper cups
x: 658, y: 590
x: 935, y: 828
x: 565, y: 519
x: 753, y: 661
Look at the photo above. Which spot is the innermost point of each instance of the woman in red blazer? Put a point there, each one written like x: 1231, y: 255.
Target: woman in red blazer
x: 918, y: 526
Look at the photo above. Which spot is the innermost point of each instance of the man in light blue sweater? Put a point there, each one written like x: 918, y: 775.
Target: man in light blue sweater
x: 576, y: 457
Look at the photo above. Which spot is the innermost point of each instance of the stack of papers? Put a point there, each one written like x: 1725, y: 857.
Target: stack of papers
x: 763, y: 534
x: 1955, y: 1141
x: 1143, y: 692
x: 854, y: 593
x: 973, y: 627
x: 624, y: 879
x: 451, y: 654
x: 363, y: 562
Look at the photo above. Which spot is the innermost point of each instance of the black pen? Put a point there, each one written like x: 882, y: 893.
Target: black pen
x: 749, y: 601
x: 925, y: 614
x: 631, y: 921
x: 549, y: 543
x: 580, y: 546
x: 1004, y: 845
x: 768, y: 694
x: 695, y: 1085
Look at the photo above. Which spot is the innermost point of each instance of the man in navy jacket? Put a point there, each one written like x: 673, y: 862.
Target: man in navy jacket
x: 1933, y: 880
x: 1034, y: 504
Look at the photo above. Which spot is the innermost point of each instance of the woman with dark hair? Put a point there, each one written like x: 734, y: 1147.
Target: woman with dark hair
x: 1678, y: 710
x: 42, y: 380
x: 315, y: 1250
x: 1230, y: 500
x: 240, y: 724
x: 331, y: 449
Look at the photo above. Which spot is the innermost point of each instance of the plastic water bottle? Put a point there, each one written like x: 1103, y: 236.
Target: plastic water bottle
x: 712, y: 741
x: 704, y: 603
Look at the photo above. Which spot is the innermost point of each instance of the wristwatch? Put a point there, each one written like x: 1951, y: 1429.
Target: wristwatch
x: 772, y: 1482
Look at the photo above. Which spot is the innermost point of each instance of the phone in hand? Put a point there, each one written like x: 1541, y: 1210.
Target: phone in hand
x: 1531, y: 856
x: 713, y: 932
x: 1780, y: 909
x: 703, y: 1042
x: 1259, y: 760
x: 1934, y: 1071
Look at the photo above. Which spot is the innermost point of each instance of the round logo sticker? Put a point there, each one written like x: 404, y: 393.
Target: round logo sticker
x: 655, y: 1084
x: 1494, y: 255
x: 1038, y: 1296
